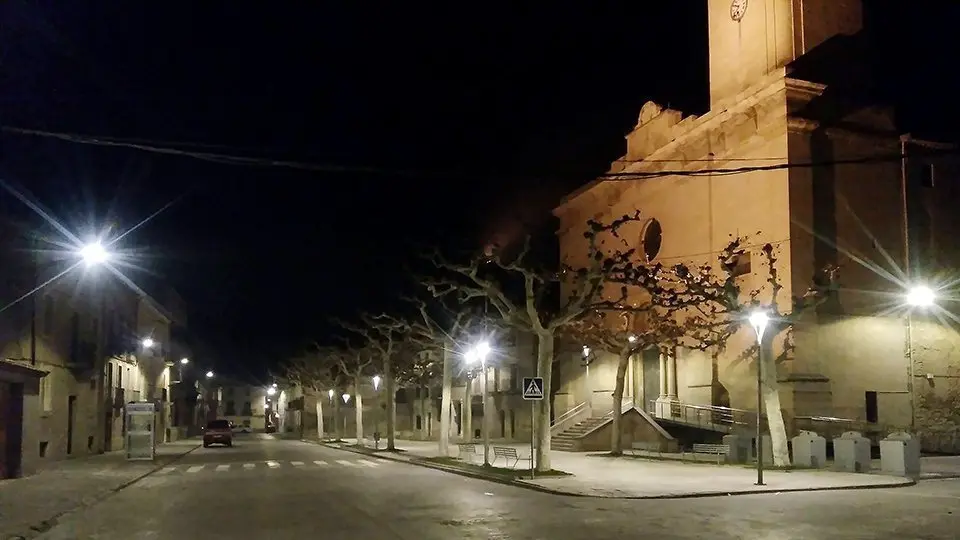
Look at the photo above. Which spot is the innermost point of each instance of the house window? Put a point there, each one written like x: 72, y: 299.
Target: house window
x: 231, y: 409
x: 927, y: 175
x: 247, y: 411
x: 46, y: 393
x: 742, y: 266
x: 419, y: 422
x: 870, y: 397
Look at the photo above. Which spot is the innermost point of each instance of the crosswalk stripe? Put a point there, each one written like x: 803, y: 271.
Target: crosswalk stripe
x: 273, y: 464
x: 166, y: 470
x: 248, y: 465
x: 346, y: 463
x: 195, y: 468
x: 320, y: 462
x: 296, y: 463
x: 368, y: 463
x: 221, y: 468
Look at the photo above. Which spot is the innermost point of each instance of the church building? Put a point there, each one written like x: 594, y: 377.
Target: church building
x: 794, y: 154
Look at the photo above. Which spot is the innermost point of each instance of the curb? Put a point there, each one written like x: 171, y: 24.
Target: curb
x: 535, y: 487
x: 51, y: 522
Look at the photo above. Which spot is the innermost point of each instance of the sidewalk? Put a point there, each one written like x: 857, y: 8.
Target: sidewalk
x: 599, y: 475
x: 30, y: 505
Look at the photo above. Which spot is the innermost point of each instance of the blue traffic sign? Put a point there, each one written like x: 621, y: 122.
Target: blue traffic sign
x: 533, y: 388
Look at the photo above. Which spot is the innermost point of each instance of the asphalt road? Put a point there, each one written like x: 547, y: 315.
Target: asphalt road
x: 276, y: 489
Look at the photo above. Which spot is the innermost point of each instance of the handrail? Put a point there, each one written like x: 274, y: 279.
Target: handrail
x: 708, y: 416
x: 572, y: 412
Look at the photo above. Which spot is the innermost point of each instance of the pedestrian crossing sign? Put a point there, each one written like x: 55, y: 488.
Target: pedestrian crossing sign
x: 533, y: 388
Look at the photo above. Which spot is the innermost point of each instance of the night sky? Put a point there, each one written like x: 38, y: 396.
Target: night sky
x: 422, y: 125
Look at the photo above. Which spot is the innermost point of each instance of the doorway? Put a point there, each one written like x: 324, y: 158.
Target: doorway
x: 651, y: 376
x: 71, y: 421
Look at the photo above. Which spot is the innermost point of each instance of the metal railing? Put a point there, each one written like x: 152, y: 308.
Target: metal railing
x: 569, y: 418
x: 712, y: 417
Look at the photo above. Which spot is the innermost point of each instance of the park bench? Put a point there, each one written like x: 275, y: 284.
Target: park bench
x: 466, y: 451
x: 720, y: 450
x: 508, y: 453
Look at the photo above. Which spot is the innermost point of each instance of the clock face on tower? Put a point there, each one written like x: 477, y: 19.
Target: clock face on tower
x: 737, y: 9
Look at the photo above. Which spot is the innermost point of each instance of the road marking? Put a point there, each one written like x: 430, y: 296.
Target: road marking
x: 296, y: 463
x: 248, y: 465
x: 166, y: 470
x: 368, y: 463
x: 221, y: 468
x: 346, y: 463
x: 381, y: 460
x: 320, y: 462
x: 195, y: 468
x: 273, y: 464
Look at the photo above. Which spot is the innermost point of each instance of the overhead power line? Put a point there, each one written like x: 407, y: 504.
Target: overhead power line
x: 169, y: 148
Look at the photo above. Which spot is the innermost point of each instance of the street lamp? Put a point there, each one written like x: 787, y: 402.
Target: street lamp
x: 376, y: 382
x: 94, y: 253
x: 921, y: 296
x: 148, y: 343
x: 271, y: 391
x: 209, y: 374
x: 479, y: 354
x: 632, y: 338
x: 184, y: 361
x: 759, y: 320
x: 376, y: 412
x: 330, y: 394
x: 588, y: 390
x: 346, y: 397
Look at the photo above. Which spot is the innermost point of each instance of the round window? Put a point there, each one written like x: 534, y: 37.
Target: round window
x: 652, y: 239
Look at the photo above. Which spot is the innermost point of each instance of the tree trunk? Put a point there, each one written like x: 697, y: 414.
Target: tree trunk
x: 771, y: 402
x: 424, y: 400
x: 319, y: 416
x: 544, y: 370
x: 616, y: 439
x: 336, y: 418
x: 445, y: 404
x: 391, y: 395
x: 358, y: 403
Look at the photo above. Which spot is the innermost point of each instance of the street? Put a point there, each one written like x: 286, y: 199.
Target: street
x: 271, y: 488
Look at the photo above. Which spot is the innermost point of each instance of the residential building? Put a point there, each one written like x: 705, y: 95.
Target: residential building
x: 791, y: 154
x: 247, y: 405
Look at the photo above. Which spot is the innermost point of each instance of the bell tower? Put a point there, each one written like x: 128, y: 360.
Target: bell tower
x: 751, y: 38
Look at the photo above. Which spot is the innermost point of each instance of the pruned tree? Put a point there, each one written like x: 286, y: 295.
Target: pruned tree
x: 317, y: 372
x: 583, y: 288
x: 383, y: 336
x: 357, y: 364
x: 714, y: 297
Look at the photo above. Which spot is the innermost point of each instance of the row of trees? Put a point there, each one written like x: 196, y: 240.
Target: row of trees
x: 605, y: 297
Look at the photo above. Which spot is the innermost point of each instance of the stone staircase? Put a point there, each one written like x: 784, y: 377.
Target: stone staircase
x: 569, y: 439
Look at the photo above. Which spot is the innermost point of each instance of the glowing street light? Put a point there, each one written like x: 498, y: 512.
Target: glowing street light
x: 148, y: 343
x: 478, y: 353
x: 184, y: 361
x: 271, y: 391
x: 94, y: 253
x: 921, y: 296
x: 346, y: 397
x: 330, y: 394
x: 376, y: 382
x: 759, y: 320
x: 632, y: 338
x: 209, y: 374
x: 586, y: 351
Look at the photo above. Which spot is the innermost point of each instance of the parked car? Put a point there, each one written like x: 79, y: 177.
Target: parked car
x: 217, y: 432
x: 238, y: 428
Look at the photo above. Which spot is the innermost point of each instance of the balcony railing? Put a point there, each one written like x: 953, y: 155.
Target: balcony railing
x: 713, y: 417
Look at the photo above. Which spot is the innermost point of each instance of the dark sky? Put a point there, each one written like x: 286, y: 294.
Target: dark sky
x: 468, y: 117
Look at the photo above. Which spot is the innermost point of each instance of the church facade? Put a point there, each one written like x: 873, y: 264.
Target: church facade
x: 788, y: 155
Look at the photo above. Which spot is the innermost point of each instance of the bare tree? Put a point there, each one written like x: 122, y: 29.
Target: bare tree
x: 583, y: 289
x: 357, y: 364
x: 383, y: 337
x: 715, y: 296
x: 318, y: 373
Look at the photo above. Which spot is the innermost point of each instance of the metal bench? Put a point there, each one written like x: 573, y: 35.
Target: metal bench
x: 508, y: 453
x: 466, y: 450
x: 720, y: 450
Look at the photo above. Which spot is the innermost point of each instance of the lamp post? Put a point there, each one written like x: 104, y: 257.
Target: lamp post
x: 346, y: 399
x: 587, y: 357
x: 920, y: 297
x: 759, y: 322
x: 479, y: 354
x: 376, y: 412
x: 93, y: 254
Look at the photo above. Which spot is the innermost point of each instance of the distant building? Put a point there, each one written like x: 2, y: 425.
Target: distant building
x: 249, y: 406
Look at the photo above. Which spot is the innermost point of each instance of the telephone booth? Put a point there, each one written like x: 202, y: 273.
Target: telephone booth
x: 141, y: 438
